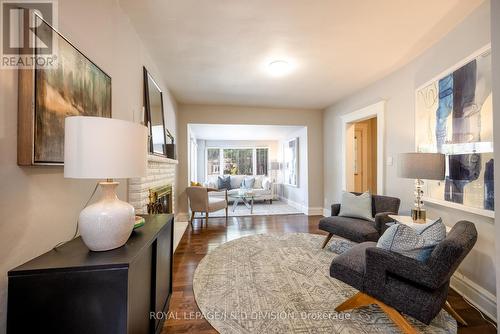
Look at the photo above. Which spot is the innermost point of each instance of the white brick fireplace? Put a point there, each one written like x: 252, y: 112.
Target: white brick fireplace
x: 160, y: 172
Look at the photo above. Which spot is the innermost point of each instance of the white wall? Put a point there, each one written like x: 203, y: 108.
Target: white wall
x: 495, y: 41
x: 205, y: 114
x: 40, y: 207
x: 298, y: 196
x: 398, y: 90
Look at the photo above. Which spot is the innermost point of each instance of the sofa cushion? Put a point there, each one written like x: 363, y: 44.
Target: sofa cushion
x: 224, y: 182
x: 248, y: 182
x: 356, y: 206
x: 354, y: 229
x: 417, y: 241
x: 349, y: 266
x: 258, y: 181
x: 236, y: 181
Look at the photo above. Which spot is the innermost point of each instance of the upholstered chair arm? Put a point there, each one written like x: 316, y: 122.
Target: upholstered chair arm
x: 215, y: 190
x: 381, y: 220
x: 380, y: 262
x: 335, y: 209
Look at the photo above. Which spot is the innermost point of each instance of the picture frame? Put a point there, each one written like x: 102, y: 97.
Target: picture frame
x: 291, y: 162
x: 154, y: 115
x: 48, y: 95
x: 464, y: 133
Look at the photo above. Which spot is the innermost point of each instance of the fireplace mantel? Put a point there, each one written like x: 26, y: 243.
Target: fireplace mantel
x: 161, y: 171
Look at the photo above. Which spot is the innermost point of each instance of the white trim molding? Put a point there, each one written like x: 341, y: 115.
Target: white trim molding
x: 481, y: 298
x: 374, y: 110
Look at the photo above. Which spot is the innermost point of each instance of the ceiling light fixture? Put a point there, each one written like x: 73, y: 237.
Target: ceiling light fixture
x: 279, y: 68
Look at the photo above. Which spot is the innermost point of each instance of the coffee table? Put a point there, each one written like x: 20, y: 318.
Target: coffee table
x: 245, y: 198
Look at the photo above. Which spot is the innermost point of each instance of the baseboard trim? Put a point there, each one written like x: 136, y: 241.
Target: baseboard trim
x: 327, y: 212
x: 309, y: 211
x: 475, y: 294
x: 315, y: 211
x: 182, y: 217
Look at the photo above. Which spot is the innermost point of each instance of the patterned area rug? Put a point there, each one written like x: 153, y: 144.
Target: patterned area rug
x: 281, y: 284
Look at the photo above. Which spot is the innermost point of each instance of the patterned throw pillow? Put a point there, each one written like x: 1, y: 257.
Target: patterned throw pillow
x: 355, y: 206
x: 248, y: 182
x: 224, y: 182
x: 417, y: 241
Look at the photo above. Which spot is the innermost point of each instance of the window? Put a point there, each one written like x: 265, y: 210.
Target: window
x: 213, y: 161
x: 261, y: 161
x: 237, y: 161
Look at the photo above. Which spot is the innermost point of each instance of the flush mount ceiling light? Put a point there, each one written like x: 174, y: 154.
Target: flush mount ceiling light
x: 279, y: 68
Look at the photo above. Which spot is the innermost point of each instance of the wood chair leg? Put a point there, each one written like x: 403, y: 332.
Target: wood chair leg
x: 448, y: 308
x: 227, y: 208
x: 361, y: 299
x: 328, y: 237
x: 192, y: 218
x: 206, y: 219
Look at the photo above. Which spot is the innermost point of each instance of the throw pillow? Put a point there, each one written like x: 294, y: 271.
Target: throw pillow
x: 258, y: 182
x: 355, y: 206
x: 266, y: 183
x: 248, y: 182
x: 224, y: 182
x: 413, y: 241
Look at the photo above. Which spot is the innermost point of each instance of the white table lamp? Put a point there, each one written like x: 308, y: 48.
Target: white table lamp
x: 418, y: 166
x: 105, y: 148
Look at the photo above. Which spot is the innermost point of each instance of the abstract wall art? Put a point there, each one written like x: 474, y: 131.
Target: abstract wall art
x: 75, y: 86
x: 454, y: 116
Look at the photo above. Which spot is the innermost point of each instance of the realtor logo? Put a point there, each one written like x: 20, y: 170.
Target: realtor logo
x: 27, y: 33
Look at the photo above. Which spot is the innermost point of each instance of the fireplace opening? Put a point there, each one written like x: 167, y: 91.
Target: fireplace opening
x: 160, y: 200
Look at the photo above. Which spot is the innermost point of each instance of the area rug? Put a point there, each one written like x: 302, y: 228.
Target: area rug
x: 281, y: 284
x: 259, y: 209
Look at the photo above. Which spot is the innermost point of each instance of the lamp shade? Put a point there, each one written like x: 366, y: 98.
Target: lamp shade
x: 427, y: 166
x: 104, y: 148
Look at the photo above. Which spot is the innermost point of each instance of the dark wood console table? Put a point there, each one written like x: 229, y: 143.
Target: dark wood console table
x: 74, y: 290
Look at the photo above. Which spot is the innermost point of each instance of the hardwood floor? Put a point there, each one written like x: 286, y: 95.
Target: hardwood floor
x: 184, y: 316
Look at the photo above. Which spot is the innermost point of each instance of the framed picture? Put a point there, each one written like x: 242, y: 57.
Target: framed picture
x: 155, y: 117
x: 47, y: 95
x: 291, y: 162
x: 454, y: 116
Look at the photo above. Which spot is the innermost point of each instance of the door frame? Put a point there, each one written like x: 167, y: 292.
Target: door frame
x: 374, y: 110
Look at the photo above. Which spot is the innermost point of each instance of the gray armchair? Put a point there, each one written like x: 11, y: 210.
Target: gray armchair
x: 401, y: 284
x: 360, y: 230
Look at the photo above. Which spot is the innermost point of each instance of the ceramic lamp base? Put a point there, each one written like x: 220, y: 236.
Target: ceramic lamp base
x: 108, y: 223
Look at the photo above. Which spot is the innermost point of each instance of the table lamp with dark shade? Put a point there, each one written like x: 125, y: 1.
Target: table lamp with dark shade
x: 105, y: 149
x: 421, y: 166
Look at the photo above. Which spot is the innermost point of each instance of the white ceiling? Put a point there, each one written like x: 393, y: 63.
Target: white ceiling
x: 216, y: 52
x: 241, y: 132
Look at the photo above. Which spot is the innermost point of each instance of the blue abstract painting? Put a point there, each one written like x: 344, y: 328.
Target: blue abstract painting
x: 454, y: 116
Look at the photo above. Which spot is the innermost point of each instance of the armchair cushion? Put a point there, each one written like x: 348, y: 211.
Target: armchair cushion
x: 216, y: 203
x: 354, y: 229
x: 350, y: 266
x: 356, y: 206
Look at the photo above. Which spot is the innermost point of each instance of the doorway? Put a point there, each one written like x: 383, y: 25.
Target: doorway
x: 363, y: 149
x: 365, y: 156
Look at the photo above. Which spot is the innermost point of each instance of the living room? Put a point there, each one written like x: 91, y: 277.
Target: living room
x: 237, y: 100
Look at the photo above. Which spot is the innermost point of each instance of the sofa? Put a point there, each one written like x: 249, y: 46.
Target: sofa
x: 360, y: 230
x: 263, y: 186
